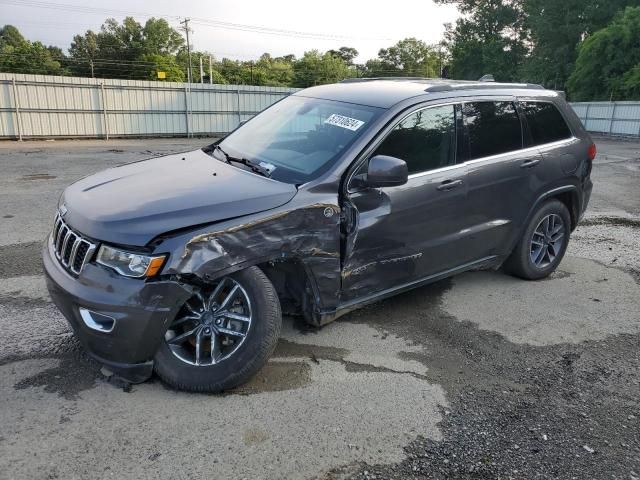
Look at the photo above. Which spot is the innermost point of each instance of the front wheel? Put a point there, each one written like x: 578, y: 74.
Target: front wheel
x: 543, y: 243
x: 222, y: 335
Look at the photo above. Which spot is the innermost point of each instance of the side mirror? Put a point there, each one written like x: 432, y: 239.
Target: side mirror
x: 385, y: 171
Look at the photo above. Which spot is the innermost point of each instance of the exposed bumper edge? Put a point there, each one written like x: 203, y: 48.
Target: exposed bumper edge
x: 131, y: 372
x: 141, y: 313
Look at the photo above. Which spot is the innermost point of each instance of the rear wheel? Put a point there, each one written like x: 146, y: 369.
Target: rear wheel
x: 222, y: 335
x: 543, y: 243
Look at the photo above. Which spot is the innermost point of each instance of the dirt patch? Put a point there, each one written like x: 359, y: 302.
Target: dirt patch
x: 612, y: 221
x: 20, y: 259
x: 17, y: 300
x: 275, y: 377
x: 287, y: 348
x: 254, y: 436
x: 71, y: 375
x: 38, y: 176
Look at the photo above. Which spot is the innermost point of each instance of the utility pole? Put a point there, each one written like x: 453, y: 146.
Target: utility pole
x: 210, y: 71
x: 91, y: 63
x: 185, y: 22
x: 189, y: 78
x: 201, y: 71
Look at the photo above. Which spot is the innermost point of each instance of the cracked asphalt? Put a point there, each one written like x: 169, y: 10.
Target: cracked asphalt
x: 478, y: 376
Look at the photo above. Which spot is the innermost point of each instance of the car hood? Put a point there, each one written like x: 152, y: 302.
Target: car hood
x: 134, y: 203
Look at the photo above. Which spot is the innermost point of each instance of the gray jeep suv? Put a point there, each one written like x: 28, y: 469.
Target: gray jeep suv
x: 332, y: 198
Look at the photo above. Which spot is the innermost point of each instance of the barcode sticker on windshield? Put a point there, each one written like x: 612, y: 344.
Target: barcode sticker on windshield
x: 344, y: 122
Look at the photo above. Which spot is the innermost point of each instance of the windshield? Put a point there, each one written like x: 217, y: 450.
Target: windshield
x: 299, y: 138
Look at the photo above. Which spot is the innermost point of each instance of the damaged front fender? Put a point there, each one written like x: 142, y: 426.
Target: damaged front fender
x: 308, y: 232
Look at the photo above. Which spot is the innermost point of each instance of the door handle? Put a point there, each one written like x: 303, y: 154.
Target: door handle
x: 449, y: 185
x: 530, y: 163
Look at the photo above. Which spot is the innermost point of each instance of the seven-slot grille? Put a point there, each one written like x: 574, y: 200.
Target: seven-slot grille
x: 71, y: 249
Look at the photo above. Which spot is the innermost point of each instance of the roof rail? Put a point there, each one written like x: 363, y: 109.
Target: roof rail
x: 434, y: 85
x: 444, y: 87
x: 370, y: 79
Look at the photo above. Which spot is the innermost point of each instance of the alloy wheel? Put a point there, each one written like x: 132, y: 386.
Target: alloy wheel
x: 547, y: 241
x: 211, y: 325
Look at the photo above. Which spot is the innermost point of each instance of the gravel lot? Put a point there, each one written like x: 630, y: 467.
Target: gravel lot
x: 480, y: 376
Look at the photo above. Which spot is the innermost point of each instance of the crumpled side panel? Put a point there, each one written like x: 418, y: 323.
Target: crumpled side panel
x: 308, y: 233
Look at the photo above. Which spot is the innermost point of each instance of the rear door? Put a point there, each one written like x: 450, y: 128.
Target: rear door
x: 501, y: 190
x: 547, y: 130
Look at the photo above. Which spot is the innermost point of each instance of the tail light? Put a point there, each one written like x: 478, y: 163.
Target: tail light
x: 592, y: 151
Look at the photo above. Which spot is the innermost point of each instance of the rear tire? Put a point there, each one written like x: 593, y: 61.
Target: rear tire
x: 235, y: 366
x: 543, y: 243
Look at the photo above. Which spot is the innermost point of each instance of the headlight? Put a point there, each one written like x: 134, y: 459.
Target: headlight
x: 129, y: 264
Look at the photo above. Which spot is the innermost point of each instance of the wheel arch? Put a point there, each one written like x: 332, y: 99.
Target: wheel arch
x: 567, y: 194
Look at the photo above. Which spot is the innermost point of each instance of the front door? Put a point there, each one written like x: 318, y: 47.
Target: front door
x: 398, y: 235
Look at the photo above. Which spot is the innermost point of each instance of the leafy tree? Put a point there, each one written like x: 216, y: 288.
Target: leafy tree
x: 315, y: 68
x: 380, y: 68
x: 274, y: 72
x: 160, y: 38
x: 347, y: 54
x: 412, y: 57
x: 608, y: 63
x: 488, y: 38
x: 555, y: 28
x: 163, y: 63
x: 126, y: 50
x: 531, y: 40
x: 18, y: 55
x: 10, y: 36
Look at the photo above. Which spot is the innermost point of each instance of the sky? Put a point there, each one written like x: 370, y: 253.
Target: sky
x: 365, y: 25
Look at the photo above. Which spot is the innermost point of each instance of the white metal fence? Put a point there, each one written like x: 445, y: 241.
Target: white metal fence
x: 612, y: 118
x: 41, y: 106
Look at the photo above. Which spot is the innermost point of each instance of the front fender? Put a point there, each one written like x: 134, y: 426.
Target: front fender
x: 308, y: 232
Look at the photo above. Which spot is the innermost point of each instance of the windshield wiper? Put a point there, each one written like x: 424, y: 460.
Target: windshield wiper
x: 254, y: 167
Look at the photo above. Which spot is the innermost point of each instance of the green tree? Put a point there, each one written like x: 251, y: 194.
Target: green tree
x: 555, y: 28
x: 126, y: 50
x: 158, y: 37
x: 18, y: 55
x: 608, y: 63
x: 316, y: 68
x: 10, y: 36
x: 488, y: 38
x: 347, y: 54
x: 163, y: 63
x: 411, y: 57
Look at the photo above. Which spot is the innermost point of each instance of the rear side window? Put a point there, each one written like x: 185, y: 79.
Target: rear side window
x: 491, y: 128
x: 425, y: 139
x: 545, y: 122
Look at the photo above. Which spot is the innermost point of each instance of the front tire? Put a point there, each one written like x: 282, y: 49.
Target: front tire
x: 222, y: 335
x: 543, y: 243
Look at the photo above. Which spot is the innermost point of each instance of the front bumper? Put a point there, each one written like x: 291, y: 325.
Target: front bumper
x: 142, y: 311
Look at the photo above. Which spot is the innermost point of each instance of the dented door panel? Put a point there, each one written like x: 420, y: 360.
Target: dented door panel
x: 404, y: 233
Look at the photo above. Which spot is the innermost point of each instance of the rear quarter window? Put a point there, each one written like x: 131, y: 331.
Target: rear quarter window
x: 546, y: 123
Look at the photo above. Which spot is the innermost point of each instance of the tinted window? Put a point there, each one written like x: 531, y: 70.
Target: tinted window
x: 491, y: 128
x: 546, y: 124
x: 425, y: 139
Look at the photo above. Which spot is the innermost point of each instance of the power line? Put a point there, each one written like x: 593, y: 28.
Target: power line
x: 199, y: 20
